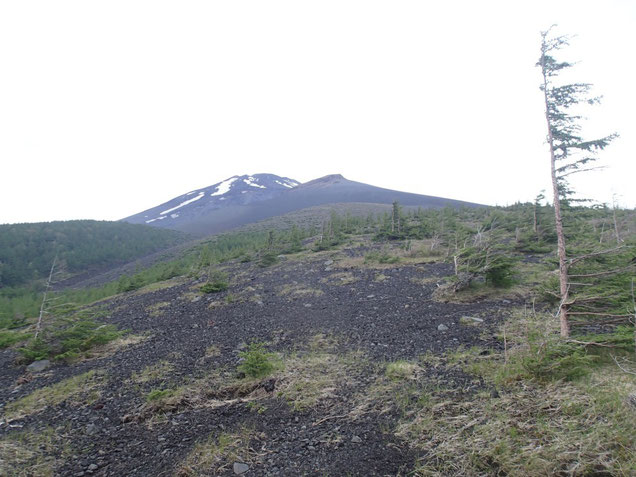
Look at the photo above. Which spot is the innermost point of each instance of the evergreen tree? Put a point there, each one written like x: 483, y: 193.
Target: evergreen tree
x: 569, y: 152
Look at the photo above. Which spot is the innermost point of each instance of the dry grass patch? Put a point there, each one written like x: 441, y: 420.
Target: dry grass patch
x: 555, y: 413
x: 78, y: 390
x: 212, y: 351
x: 191, y: 296
x: 218, y: 454
x: 154, y: 372
x: 478, y: 292
x: 315, y: 378
x: 403, y: 370
x: 112, y: 347
x: 424, y: 281
x: 556, y: 429
x: 156, y: 308
x: 398, y: 385
x: 31, y: 454
x: 298, y: 290
x: 339, y: 278
x: 152, y: 287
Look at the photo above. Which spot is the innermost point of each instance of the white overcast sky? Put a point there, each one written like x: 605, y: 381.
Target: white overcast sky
x: 108, y: 108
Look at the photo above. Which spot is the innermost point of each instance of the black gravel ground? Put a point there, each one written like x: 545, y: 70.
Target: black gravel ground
x: 386, y: 320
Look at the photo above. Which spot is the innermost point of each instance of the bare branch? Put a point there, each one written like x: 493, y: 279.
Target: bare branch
x: 574, y: 260
x: 597, y: 168
x: 607, y: 272
x: 622, y: 368
x: 614, y: 321
x: 599, y: 314
x: 591, y: 343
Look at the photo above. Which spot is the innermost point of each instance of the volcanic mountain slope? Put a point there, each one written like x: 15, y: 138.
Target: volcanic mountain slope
x: 192, y: 208
x: 242, y: 200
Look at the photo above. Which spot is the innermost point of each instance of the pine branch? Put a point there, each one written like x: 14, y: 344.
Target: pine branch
x: 574, y: 260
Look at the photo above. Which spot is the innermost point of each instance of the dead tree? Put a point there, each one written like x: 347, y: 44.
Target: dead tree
x: 38, y: 327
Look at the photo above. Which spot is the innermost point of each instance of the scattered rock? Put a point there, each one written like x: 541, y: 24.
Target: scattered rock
x: 442, y: 327
x: 37, y: 366
x: 470, y: 320
x: 92, y: 468
x: 328, y: 262
x: 195, y: 299
x: 356, y: 440
x: 240, y: 468
x: 307, y: 305
x: 91, y: 429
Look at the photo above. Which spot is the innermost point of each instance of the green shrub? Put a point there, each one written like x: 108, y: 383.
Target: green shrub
x: 267, y: 259
x: 7, y: 338
x: 257, y: 363
x: 501, y: 272
x: 35, y: 350
x: 381, y: 257
x: 69, y: 342
x: 549, y: 357
x: 217, y: 282
x: 158, y: 394
x: 214, y: 287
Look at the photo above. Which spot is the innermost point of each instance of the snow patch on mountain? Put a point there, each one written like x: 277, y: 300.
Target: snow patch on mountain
x: 224, y: 187
x: 249, y: 182
x: 189, y: 201
x: 288, y: 184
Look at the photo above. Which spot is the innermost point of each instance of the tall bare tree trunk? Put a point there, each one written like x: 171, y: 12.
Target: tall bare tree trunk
x: 618, y: 236
x: 38, y: 327
x: 563, y: 267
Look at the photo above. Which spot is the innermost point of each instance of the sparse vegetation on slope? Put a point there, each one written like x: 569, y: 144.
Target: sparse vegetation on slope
x: 361, y: 365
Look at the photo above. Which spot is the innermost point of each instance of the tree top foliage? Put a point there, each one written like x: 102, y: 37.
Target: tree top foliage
x: 572, y: 151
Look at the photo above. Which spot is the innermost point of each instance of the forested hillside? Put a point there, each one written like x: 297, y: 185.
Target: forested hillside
x: 27, y: 250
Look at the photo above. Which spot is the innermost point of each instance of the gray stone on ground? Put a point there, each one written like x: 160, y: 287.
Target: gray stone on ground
x: 356, y: 439
x: 91, y: 429
x: 471, y: 320
x: 442, y: 327
x: 240, y: 468
x: 328, y: 262
x: 37, y: 366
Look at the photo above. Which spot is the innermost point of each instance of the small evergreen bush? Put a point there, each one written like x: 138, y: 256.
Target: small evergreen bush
x: 257, y: 363
x: 217, y: 282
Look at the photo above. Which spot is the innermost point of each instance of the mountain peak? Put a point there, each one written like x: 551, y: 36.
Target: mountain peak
x: 326, y: 180
x: 233, y: 191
